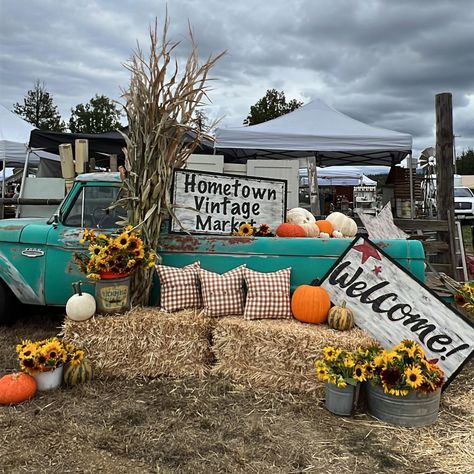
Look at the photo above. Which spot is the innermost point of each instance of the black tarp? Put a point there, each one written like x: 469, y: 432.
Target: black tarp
x: 101, y: 145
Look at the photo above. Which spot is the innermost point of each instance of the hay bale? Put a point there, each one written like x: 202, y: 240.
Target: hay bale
x: 145, y: 342
x: 277, y: 354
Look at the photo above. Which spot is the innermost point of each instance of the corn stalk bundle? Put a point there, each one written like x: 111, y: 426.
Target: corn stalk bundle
x: 160, y: 104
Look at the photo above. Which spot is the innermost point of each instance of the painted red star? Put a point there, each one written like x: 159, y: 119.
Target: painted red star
x: 377, y: 269
x: 367, y: 251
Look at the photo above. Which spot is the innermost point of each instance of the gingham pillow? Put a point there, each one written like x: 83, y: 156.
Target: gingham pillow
x: 268, y: 294
x: 179, y: 287
x: 223, y: 295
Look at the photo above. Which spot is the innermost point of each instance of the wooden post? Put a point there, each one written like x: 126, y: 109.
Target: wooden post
x: 113, y: 163
x: 313, y: 185
x: 82, y: 154
x: 445, y: 172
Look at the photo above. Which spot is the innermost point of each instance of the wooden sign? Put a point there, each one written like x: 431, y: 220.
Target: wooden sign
x: 391, y: 305
x: 210, y: 203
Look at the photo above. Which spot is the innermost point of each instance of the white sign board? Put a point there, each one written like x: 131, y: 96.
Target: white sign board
x: 208, y: 203
x: 391, y: 305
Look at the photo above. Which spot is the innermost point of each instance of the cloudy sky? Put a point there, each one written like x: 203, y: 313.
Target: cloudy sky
x: 379, y: 61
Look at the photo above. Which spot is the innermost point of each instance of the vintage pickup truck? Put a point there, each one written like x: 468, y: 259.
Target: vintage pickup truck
x: 36, y: 255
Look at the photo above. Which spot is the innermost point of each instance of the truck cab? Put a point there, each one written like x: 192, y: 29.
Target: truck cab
x: 36, y: 254
x: 463, y: 203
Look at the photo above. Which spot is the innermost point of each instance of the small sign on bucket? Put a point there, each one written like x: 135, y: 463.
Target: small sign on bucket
x: 113, y: 296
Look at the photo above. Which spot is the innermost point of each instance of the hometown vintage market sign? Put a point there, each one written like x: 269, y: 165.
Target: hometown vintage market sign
x: 391, y: 306
x: 210, y: 203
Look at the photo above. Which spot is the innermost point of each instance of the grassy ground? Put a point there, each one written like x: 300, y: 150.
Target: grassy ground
x: 212, y: 425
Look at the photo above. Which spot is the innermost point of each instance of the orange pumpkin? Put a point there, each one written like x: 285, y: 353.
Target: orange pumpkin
x: 325, y: 226
x: 290, y: 230
x: 16, y: 388
x: 310, y: 304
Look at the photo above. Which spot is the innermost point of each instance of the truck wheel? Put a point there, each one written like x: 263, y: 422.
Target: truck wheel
x: 7, y: 301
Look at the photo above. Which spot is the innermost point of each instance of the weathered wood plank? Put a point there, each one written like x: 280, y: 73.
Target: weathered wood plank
x: 428, y: 225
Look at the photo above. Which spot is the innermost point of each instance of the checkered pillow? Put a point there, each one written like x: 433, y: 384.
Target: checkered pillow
x: 223, y: 295
x: 268, y: 294
x: 179, y: 287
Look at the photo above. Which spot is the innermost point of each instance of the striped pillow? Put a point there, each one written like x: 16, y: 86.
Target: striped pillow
x: 268, y: 294
x: 179, y: 287
x: 223, y: 295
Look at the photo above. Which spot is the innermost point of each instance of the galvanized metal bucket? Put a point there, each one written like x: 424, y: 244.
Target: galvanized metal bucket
x: 113, y: 296
x: 341, y: 401
x: 414, y: 409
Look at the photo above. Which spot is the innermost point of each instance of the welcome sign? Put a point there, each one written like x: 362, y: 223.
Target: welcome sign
x: 391, y: 305
x: 211, y: 203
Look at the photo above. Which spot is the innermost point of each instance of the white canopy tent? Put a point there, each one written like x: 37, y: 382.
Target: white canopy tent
x: 337, y: 176
x: 318, y: 129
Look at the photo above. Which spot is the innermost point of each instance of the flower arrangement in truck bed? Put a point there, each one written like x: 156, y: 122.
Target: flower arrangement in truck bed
x: 403, y: 369
x: 116, y: 253
x: 47, y: 354
x: 248, y: 230
x: 465, y: 297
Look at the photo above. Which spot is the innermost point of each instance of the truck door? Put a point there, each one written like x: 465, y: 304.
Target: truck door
x: 86, y: 208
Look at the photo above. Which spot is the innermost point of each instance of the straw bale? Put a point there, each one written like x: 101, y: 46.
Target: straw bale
x: 145, y: 342
x: 277, y: 354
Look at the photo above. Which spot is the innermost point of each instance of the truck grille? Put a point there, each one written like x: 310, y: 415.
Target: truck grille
x: 462, y: 205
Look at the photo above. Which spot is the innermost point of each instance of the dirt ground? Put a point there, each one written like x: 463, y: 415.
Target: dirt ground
x: 167, y: 425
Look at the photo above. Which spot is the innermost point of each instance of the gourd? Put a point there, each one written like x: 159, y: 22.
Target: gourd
x: 340, y: 318
x: 324, y: 235
x: 298, y: 215
x: 16, y: 388
x: 290, y: 230
x: 311, y: 229
x: 337, y: 235
x: 310, y: 304
x: 80, y: 306
x: 325, y: 226
x: 79, y: 373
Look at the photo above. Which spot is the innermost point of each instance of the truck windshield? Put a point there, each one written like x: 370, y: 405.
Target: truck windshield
x: 91, y: 208
x: 463, y: 192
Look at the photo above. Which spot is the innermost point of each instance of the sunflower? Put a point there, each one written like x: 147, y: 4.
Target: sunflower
x: 413, y: 376
x: 95, y: 249
x: 27, y: 364
x: 368, y: 371
x: 29, y: 350
x: 122, y: 240
x: 349, y: 361
x: 139, y: 253
x: 359, y: 373
x: 77, y: 357
x: 245, y: 230
x: 390, y: 377
x: 322, y: 372
x: 134, y: 242
x: 397, y: 392
x: 52, y: 351
x: 341, y: 383
x: 131, y: 263
x: 330, y: 353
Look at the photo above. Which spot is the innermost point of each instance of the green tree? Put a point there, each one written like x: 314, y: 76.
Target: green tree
x: 201, y: 121
x: 99, y: 115
x: 465, y: 162
x: 271, y: 106
x: 38, y: 109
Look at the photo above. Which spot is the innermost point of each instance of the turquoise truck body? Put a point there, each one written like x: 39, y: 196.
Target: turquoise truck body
x: 36, y: 255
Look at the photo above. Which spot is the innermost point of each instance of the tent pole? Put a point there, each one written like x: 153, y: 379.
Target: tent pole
x: 412, y: 201
x: 3, y: 182
x: 313, y: 184
x: 23, y: 180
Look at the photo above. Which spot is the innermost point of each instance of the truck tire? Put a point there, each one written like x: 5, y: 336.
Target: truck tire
x: 7, y: 301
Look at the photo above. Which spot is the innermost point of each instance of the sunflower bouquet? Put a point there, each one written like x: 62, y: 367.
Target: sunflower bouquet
x: 465, y: 297
x: 47, y: 354
x: 404, y: 369
x: 117, y: 253
x: 341, y: 367
x: 248, y: 230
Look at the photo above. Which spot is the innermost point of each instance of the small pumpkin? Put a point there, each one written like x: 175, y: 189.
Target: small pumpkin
x: 16, y: 388
x: 310, y: 304
x: 337, y: 235
x: 324, y: 235
x: 341, y: 318
x: 311, y: 229
x: 299, y: 216
x: 290, y: 230
x: 79, y: 373
x: 349, y: 227
x: 325, y: 226
x: 80, y: 306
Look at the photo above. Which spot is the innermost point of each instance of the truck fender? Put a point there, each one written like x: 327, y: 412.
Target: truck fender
x: 17, y: 284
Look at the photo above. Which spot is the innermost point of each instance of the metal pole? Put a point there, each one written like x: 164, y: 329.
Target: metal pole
x: 23, y: 180
x: 313, y: 185
x: 412, y: 201
x: 4, y: 177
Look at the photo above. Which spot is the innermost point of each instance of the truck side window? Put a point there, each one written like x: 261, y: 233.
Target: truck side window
x: 91, y: 208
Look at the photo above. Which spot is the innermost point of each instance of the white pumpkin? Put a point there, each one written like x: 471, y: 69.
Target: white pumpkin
x: 311, y: 229
x: 324, y: 235
x: 80, y: 306
x: 338, y: 235
x: 337, y: 219
x: 349, y: 228
x: 299, y: 216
